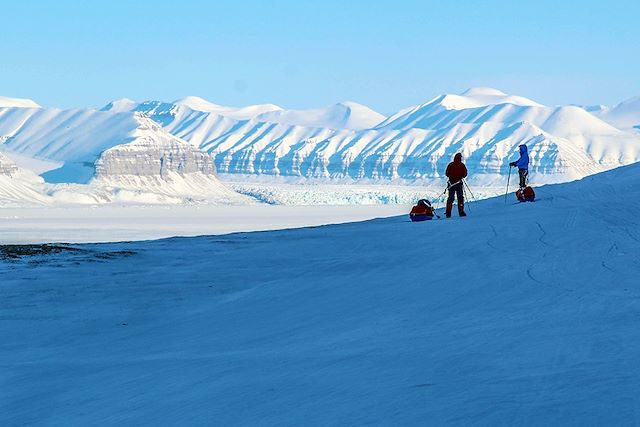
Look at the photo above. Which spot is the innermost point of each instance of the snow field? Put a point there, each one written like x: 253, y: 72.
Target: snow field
x: 517, y: 314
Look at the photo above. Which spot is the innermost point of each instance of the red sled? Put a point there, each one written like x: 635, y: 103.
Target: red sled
x: 526, y: 194
x: 422, y: 211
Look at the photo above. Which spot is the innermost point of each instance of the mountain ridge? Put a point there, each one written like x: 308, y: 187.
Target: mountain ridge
x: 343, y: 141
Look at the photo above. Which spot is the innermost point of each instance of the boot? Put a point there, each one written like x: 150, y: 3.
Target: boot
x: 461, y: 209
x: 448, y: 211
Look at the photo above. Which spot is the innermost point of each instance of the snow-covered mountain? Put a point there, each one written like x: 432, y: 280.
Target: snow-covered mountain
x: 570, y: 126
x: 353, y: 142
x: 108, y: 152
x: 160, y: 163
x: 72, y: 139
x: 625, y: 115
x: 343, y: 142
x: 344, y: 115
x: 486, y: 125
x: 192, y: 103
x: 6, y: 102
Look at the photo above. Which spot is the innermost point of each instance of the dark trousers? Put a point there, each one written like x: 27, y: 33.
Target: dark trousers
x: 456, y: 191
x: 523, y: 173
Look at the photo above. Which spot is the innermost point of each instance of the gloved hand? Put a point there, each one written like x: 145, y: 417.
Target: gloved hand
x: 512, y: 163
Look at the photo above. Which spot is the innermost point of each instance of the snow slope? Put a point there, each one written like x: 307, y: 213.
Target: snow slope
x: 73, y: 138
x: 523, y: 314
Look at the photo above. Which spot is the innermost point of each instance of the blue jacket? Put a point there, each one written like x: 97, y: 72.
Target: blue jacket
x: 523, y: 161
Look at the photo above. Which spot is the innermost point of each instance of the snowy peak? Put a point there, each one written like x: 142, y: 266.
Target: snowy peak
x: 483, y: 96
x: 186, y: 105
x: 428, y: 115
x: 625, y: 115
x: 198, y: 104
x: 343, y: 115
x: 593, y: 109
x: 482, y: 91
x: 6, y: 102
x: 120, y: 105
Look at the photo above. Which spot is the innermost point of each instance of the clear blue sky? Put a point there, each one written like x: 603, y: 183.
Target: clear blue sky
x: 298, y: 54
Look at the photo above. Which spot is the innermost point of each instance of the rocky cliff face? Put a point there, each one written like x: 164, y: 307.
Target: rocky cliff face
x: 147, y: 157
x: 153, y: 152
x: 160, y: 168
x: 7, y: 167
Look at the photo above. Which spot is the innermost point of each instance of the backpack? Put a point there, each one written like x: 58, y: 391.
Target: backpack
x: 526, y: 194
x: 422, y: 211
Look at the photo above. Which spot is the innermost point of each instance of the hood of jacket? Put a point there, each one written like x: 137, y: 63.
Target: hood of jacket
x: 457, y: 158
x: 523, y: 149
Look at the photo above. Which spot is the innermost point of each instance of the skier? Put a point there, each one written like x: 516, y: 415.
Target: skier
x: 523, y: 166
x: 456, y: 172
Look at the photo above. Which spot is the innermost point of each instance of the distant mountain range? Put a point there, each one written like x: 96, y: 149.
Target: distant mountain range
x: 128, y: 144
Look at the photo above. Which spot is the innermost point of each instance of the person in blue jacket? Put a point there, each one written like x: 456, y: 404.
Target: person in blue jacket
x: 523, y: 166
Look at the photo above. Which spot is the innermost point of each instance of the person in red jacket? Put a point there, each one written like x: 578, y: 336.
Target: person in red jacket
x: 456, y: 171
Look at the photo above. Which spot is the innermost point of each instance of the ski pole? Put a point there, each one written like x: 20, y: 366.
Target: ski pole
x: 469, y: 188
x: 437, y: 202
x: 470, y: 192
x: 435, y: 212
x: 507, y: 191
x: 467, y: 205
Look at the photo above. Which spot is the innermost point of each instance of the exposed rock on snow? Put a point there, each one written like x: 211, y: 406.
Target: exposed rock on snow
x: 153, y: 152
x: 7, y: 167
x: 161, y: 170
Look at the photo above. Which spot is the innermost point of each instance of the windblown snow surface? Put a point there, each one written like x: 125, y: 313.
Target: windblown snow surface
x: 518, y: 314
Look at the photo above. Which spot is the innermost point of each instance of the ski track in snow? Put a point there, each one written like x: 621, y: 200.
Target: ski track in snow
x: 517, y: 314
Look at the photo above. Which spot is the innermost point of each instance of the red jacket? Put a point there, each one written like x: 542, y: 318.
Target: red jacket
x: 456, y: 169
